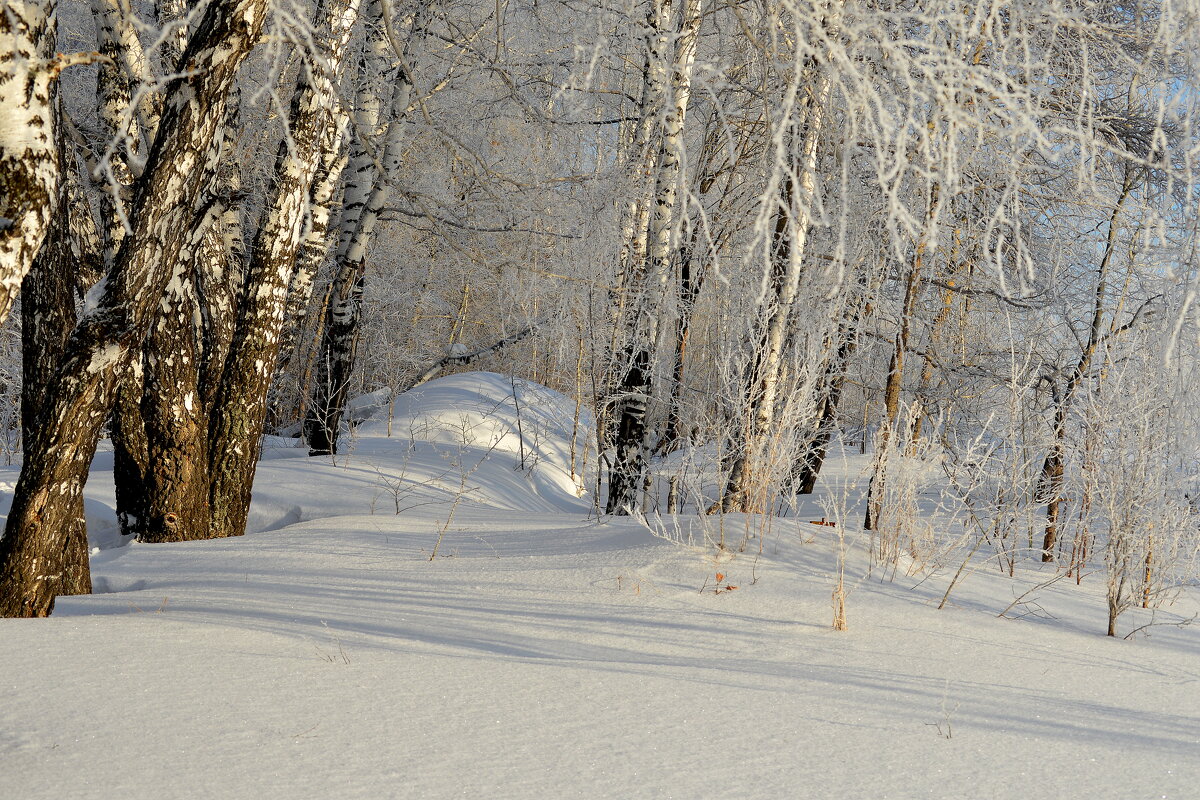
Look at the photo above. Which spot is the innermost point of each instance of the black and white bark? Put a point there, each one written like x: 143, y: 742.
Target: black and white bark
x: 671, y: 56
x: 47, y: 318
x: 186, y: 340
x: 240, y: 407
x: 313, y: 254
x: 119, y: 311
x: 29, y: 163
x: 221, y: 262
x: 123, y: 85
x: 365, y: 197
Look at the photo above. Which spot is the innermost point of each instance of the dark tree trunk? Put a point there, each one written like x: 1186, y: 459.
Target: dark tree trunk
x: 173, y: 409
x: 47, y: 318
x: 690, y: 283
x: 130, y: 452
x: 176, y: 427
x: 1050, y: 483
x: 628, y: 474
x: 103, y: 345
x: 335, y: 364
x: 808, y: 468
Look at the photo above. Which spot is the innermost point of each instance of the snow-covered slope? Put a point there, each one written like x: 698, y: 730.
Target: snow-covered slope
x: 495, y: 640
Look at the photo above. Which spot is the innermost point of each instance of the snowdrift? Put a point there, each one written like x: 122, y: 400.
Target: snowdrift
x: 472, y: 440
x: 427, y: 617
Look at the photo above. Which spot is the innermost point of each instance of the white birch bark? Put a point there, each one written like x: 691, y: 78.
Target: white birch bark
x: 359, y: 221
x: 119, y: 312
x: 123, y: 78
x: 29, y: 171
x: 312, y: 255
x: 47, y: 318
x: 241, y: 397
x: 634, y: 220
x: 669, y: 77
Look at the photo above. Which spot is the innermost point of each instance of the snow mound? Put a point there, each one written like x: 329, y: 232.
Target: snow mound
x: 476, y: 439
x: 494, y: 412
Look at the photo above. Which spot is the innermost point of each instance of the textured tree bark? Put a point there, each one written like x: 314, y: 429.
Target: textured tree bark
x: 120, y: 148
x: 240, y: 408
x: 668, y: 75
x: 220, y: 264
x: 109, y: 335
x: 29, y: 164
x: 365, y: 197
x: 176, y: 427
x: 119, y: 144
x: 282, y: 404
x: 47, y: 318
x: 186, y: 340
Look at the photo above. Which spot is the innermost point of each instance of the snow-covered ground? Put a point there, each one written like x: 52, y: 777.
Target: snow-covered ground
x: 494, y: 640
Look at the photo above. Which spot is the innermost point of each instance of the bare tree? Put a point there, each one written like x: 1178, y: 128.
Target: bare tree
x: 104, y: 343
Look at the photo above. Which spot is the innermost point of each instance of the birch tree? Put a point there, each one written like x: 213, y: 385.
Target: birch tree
x: 109, y: 335
x: 671, y: 53
x: 29, y: 164
x: 241, y: 400
x: 365, y: 197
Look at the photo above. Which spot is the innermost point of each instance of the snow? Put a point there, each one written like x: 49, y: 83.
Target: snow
x: 105, y: 357
x: 544, y: 654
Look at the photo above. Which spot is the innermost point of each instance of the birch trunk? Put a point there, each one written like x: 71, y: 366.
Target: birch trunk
x: 47, y: 317
x: 376, y: 76
x: 108, y: 337
x: 240, y: 408
x: 29, y: 164
x: 668, y: 76
x: 792, y: 222
x: 691, y: 281
x: 365, y: 198
x: 312, y: 255
x: 120, y: 146
x: 186, y: 341
x: 642, y: 146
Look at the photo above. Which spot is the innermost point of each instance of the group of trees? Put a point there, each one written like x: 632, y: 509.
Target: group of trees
x: 752, y: 228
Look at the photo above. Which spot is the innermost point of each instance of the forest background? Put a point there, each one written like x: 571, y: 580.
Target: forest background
x: 742, y: 233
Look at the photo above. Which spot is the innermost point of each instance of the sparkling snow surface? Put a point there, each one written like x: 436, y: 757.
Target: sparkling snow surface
x: 543, y: 655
